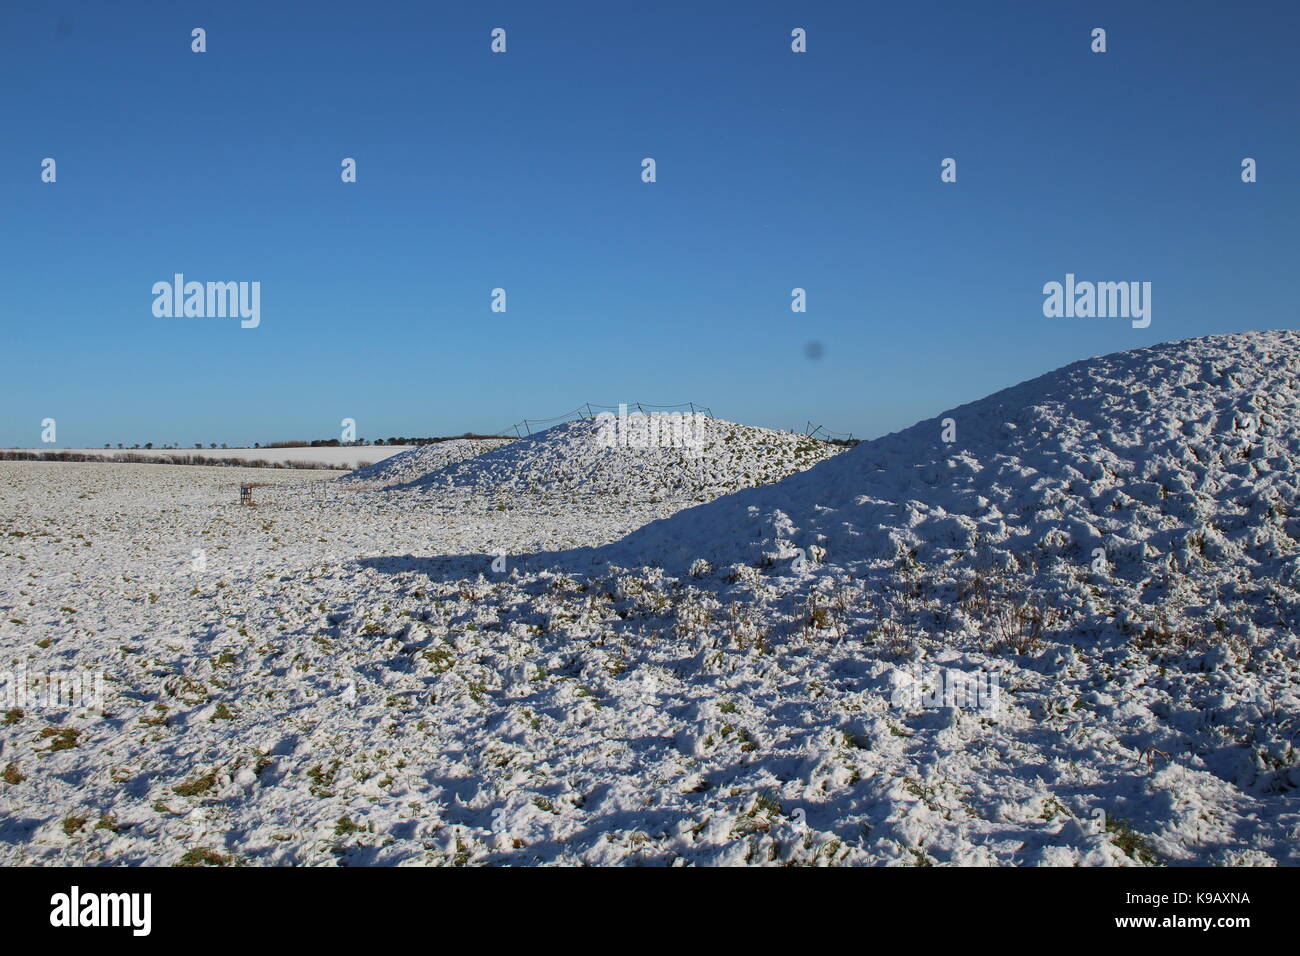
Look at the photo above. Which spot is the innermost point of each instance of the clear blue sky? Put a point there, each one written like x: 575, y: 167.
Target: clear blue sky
x: 522, y: 170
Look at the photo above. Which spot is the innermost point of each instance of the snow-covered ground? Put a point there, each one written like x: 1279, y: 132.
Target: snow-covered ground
x: 1066, y: 636
x: 342, y: 457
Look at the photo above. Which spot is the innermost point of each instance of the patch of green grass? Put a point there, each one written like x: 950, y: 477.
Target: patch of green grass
x: 73, y: 825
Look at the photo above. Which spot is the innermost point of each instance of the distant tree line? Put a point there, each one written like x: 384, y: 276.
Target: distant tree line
x: 396, y: 440
x: 149, y: 445
x: 127, y: 457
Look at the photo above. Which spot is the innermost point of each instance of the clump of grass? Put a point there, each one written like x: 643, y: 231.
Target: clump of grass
x: 760, y: 816
x: 64, y: 738
x: 441, y: 659
x: 1161, y: 636
x: 202, y: 856
x: 12, y: 717
x: 919, y: 856
x: 73, y: 825
x: 1133, y: 844
x: 344, y: 826
x: 1019, y: 627
x: 222, y: 712
x: 322, y: 779
x: 764, y: 803
x: 11, y: 775
x: 196, y: 786
x: 159, y: 720
x: 817, y: 615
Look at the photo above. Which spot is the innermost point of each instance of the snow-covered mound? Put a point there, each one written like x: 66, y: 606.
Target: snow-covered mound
x: 1168, y: 457
x: 580, y: 456
x: 415, y: 463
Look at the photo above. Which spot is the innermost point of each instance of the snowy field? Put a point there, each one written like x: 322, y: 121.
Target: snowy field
x: 343, y: 457
x: 1059, y: 630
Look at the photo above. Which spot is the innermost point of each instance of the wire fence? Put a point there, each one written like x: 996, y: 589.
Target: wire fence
x: 820, y: 431
x: 592, y: 409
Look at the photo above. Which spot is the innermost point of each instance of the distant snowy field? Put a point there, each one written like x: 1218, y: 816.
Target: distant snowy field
x: 343, y: 458
x: 626, y: 665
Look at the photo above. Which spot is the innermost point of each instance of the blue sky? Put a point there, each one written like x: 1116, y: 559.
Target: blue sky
x: 522, y: 171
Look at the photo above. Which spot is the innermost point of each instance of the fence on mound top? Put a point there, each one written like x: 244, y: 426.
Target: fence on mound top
x: 835, y: 438
x: 591, y: 410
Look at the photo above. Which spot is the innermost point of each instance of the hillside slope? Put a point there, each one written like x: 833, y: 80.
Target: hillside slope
x: 1177, y: 456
